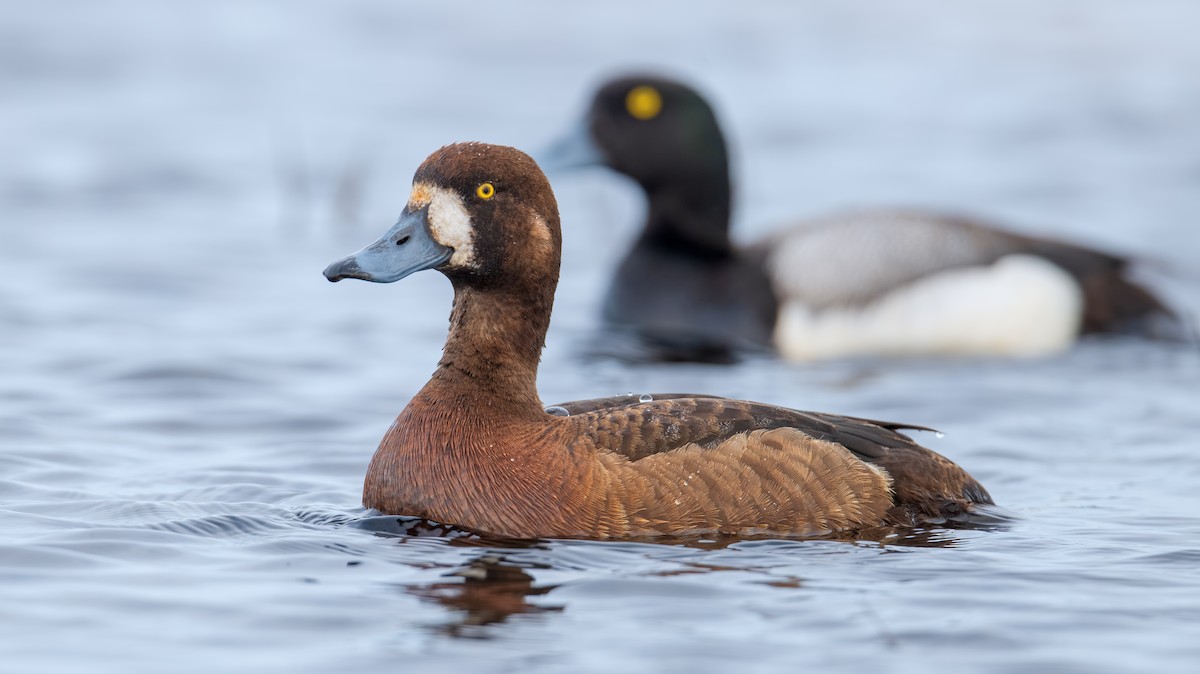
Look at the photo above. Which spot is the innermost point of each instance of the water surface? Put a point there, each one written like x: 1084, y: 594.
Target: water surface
x: 187, y: 407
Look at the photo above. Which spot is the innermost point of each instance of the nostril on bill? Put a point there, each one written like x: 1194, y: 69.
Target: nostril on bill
x: 403, y: 240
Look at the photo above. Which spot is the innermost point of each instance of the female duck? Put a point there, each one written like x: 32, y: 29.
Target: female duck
x: 872, y: 283
x: 476, y: 448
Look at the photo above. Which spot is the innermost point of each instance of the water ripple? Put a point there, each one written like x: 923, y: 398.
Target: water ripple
x: 187, y: 407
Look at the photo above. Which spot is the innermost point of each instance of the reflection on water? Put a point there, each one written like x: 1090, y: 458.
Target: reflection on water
x: 492, y: 589
x: 492, y: 586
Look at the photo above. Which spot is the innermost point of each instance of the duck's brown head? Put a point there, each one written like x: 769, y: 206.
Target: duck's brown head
x: 483, y: 215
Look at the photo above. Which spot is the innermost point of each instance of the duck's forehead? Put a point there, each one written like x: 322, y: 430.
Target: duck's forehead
x: 455, y: 170
x: 462, y: 167
x: 437, y: 198
x: 421, y: 195
x: 618, y: 88
x: 615, y: 92
x: 427, y: 188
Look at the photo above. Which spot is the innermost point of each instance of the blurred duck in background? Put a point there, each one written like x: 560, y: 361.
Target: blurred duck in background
x: 879, y: 283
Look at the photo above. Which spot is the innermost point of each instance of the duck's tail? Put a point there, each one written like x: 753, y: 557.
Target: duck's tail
x: 1113, y: 302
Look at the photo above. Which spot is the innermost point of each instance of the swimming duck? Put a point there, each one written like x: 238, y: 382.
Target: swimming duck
x: 889, y: 283
x: 477, y: 448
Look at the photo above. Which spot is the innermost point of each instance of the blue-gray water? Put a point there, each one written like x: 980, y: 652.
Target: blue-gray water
x: 187, y: 407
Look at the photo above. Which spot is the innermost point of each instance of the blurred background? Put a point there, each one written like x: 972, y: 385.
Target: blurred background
x: 187, y: 406
x: 141, y: 133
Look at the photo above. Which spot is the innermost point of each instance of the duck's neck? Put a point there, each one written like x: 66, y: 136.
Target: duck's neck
x: 491, y: 356
x: 691, y: 215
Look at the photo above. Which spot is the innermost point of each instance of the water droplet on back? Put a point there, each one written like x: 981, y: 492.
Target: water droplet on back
x: 557, y: 411
x: 645, y: 397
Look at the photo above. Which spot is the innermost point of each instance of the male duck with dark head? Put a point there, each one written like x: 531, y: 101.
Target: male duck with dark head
x: 476, y: 447
x: 890, y: 283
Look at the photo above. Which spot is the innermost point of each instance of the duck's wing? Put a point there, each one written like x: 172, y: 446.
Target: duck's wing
x: 923, y: 480
x: 652, y: 423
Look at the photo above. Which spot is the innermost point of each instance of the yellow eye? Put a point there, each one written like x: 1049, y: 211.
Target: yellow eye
x: 485, y: 191
x: 644, y: 102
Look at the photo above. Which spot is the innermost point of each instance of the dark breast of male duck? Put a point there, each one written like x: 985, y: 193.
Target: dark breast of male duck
x: 869, y: 283
x: 475, y: 448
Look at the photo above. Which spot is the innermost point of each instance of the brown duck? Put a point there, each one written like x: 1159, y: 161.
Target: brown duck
x: 477, y: 448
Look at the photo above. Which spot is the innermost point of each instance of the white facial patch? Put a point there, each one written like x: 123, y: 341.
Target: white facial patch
x: 449, y: 222
x: 1022, y: 305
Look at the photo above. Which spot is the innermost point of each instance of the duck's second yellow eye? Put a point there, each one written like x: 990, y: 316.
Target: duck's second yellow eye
x: 643, y: 102
x: 485, y: 191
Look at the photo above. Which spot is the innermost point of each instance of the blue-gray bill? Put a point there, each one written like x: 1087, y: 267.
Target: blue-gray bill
x: 572, y: 150
x: 406, y: 248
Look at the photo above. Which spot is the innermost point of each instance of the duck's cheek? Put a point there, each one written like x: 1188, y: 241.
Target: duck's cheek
x: 450, y: 225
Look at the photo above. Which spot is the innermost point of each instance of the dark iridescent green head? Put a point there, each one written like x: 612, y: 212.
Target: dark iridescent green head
x: 655, y: 129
